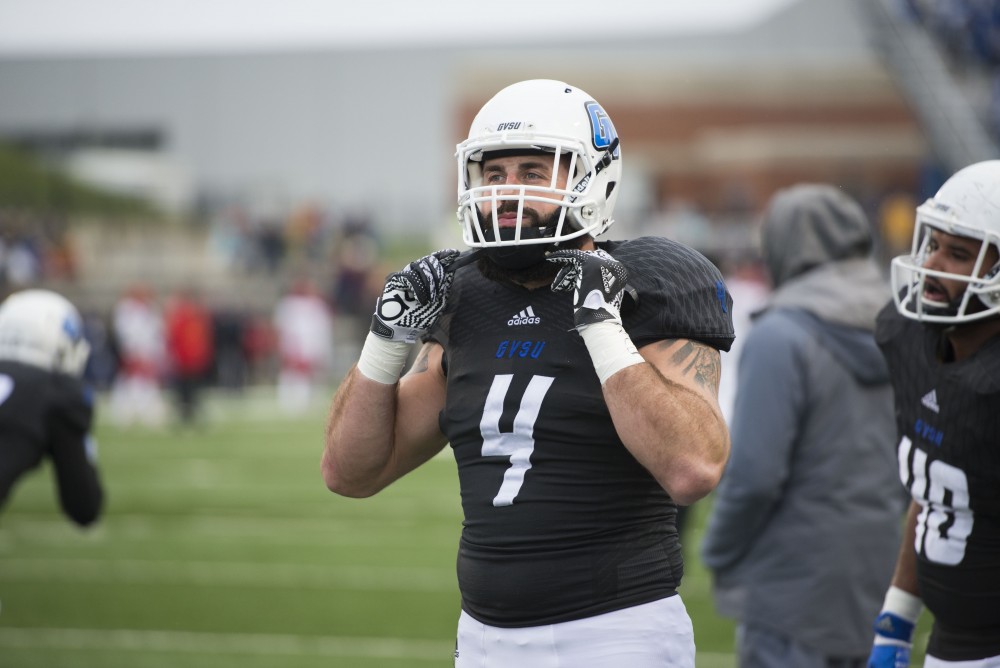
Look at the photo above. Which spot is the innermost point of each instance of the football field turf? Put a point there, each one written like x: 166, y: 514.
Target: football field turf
x: 222, y: 547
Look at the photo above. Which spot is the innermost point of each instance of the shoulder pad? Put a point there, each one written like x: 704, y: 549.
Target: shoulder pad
x: 680, y: 293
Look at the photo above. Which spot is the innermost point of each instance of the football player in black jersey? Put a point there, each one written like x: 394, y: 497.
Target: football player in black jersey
x: 941, y: 338
x: 576, y: 382
x: 45, y: 410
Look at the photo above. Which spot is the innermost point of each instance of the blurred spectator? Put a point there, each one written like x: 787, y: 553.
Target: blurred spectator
x: 304, y: 232
x: 231, y: 363
x: 136, y: 395
x: 271, y: 243
x: 807, y: 519
x: 190, y: 350
x: 102, y: 365
x: 34, y: 246
x: 230, y: 237
x: 259, y: 341
x: 304, y: 329
x: 24, y: 266
x: 352, y: 294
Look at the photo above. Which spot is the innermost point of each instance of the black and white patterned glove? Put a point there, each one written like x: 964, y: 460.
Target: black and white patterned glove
x: 598, y: 282
x: 414, y: 297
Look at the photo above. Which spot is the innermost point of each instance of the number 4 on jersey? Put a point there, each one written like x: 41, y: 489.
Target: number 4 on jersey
x: 517, y: 444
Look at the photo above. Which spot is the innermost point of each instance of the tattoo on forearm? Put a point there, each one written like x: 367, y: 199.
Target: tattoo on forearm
x: 421, y: 364
x: 701, y: 361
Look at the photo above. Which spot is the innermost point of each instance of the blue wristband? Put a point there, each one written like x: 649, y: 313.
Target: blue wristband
x: 893, y: 626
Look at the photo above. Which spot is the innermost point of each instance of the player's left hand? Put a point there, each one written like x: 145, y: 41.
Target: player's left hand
x: 598, y: 283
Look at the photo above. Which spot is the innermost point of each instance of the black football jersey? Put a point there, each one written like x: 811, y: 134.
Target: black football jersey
x: 949, y: 422
x: 45, y: 414
x: 561, y: 521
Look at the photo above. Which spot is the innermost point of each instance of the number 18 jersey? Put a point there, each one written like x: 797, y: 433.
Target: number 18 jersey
x: 948, y: 417
x: 561, y: 521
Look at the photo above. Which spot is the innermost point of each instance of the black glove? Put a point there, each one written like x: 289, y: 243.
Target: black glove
x: 414, y: 297
x: 598, y: 282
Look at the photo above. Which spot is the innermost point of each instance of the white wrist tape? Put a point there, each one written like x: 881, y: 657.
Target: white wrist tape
x: 610, y: 347
x: 383, y: 361
x: 902, y: 603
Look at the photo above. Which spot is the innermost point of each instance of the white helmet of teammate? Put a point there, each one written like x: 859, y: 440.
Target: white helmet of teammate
x: 967, y: 205
x: 43, y: 329
x: 552, y: 118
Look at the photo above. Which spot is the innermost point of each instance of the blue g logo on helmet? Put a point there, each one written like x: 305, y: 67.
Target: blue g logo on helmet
x: 603, y: 129
x: 72, y: 328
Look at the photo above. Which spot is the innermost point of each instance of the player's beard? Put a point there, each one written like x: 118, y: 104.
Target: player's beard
x: 537, y: 270
x: 953, y: 304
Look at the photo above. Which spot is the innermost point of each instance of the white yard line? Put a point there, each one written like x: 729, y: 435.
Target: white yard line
x: 190, y: 642
x: 341, y: 530
x: 227, y: 574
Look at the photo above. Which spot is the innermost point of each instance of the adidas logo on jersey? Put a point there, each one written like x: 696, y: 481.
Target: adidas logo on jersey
x: 525, y: 317
x: 930, y: 401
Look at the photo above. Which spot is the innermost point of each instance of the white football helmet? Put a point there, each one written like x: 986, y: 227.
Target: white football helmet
x: 554, y: 118
x: 43, y: 329
x: 967, y: 205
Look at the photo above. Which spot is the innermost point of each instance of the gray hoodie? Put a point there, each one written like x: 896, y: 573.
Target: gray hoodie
x: 804, y: 527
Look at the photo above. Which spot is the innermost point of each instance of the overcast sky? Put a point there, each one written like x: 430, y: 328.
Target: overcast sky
x: 80, y: 27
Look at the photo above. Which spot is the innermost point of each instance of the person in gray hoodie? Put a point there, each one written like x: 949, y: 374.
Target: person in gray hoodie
x: 806, y: 522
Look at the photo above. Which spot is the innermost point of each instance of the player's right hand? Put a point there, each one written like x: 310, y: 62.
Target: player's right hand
x: 892, y: 642
x: 414, y: 297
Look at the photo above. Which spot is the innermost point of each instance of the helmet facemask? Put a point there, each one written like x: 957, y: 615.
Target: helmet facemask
x: 979, y: 300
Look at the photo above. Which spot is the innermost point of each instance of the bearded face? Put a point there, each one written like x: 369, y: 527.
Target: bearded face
x: 523, y: 264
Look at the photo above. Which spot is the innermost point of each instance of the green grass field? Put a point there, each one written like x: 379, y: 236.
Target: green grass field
x: 221, y: 547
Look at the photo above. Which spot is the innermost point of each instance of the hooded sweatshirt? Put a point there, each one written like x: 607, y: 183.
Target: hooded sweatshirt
x: 805, y: 524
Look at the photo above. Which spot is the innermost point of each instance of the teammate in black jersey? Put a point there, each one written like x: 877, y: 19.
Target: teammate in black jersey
x: 576, y: 382
x: 941, y: 341
x: 45, y: 411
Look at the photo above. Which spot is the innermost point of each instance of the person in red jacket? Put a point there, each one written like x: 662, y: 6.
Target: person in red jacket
x: 190, y: 350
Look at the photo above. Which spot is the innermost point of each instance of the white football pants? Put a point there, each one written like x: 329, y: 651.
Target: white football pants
x: 652, y: 635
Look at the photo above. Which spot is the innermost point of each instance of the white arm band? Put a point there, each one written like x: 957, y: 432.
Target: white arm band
x: 903, y: 604
x: 383, y: 361
x: 610, y: 347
